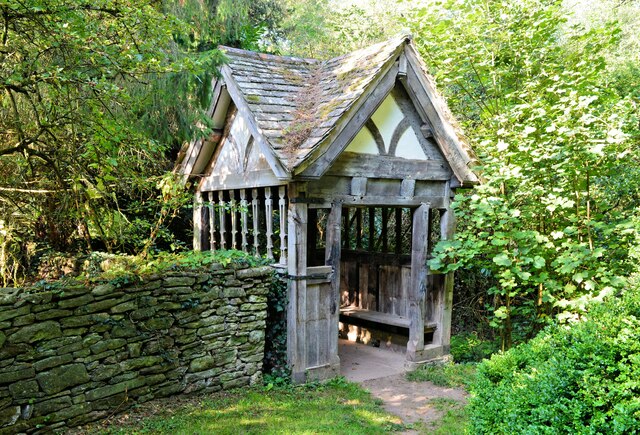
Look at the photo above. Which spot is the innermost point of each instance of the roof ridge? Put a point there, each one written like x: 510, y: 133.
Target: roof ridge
x: 401, y: 39
x: 266, y: 56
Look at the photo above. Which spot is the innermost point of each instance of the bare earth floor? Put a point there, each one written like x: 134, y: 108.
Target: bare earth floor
x: 382, y: 372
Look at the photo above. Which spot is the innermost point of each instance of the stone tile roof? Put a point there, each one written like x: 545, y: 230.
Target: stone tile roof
x: 298, y: 102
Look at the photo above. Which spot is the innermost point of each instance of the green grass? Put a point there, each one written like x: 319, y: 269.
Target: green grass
x: 445, y: 375
x: 338, y: 407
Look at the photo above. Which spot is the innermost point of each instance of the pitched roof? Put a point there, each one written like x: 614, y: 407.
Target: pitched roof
x: 297, y: 102
x: 298, y: 110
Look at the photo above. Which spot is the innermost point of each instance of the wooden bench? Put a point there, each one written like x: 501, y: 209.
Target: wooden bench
x: 377, y: 320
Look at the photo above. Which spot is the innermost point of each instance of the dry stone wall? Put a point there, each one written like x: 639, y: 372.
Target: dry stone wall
x: 74, y: 354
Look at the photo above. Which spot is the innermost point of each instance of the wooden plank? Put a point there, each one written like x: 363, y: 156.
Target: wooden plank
x: 380, y: 318
x: 335, y: 143
x: 197, y: 221
x: 352, y: 164
x: 417, y: 295
x: 243, y: 108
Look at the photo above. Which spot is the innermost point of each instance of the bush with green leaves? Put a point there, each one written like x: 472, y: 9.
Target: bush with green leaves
x: 577, y: 378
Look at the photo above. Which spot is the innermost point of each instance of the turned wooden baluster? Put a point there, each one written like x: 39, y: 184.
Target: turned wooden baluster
x: 222, y: 214
x: 243, y: 219
x: 268, y: 206
x: 212, y: 222
x: 255, y: 208
x: 234, y: 219
x: 283, y: 225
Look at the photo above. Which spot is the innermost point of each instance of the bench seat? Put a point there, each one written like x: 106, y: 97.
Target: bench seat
x: 362, y: 317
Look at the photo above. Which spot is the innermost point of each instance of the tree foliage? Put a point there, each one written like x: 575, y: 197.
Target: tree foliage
x: 96, y: 98
x: 558, y: 151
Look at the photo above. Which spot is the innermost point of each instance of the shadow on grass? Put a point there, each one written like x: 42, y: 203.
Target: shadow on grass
x: 337, y: 407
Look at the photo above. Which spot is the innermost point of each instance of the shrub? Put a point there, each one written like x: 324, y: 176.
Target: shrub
x: 580, y: 378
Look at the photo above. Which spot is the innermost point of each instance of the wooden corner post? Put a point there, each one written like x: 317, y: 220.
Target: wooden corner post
x: 418, y: 290
x: 447, y: 230
x: 297, y: 268
x: 332, y: 258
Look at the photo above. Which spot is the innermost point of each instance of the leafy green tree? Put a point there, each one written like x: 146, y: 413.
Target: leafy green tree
x: 73, y: 141
x: 557, y: 149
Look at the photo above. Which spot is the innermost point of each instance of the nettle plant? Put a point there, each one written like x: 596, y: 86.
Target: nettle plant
x: 548, y: 221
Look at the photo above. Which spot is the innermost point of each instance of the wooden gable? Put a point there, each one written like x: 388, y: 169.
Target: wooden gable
x: 393, y: 143
x: 238, y: 160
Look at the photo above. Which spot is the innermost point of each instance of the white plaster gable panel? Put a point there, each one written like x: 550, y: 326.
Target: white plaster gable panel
x: 240, y: 131
x: 409, y: 146
x: 363, y: 143
x: 387, y: 117
x: 255, y: 160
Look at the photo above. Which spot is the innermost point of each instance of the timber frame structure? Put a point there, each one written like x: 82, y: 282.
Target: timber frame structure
x: 342, y: 172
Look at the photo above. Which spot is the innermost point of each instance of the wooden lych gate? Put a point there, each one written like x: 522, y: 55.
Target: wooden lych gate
x: 341, y: 172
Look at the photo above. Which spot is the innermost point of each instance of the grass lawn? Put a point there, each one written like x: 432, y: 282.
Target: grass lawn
x: 337, y: 407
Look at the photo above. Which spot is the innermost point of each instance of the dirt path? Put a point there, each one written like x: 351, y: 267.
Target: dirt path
x: 414, y: 402
x: 383, y: 373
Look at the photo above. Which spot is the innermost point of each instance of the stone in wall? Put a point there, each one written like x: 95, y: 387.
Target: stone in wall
x: 79, y: 353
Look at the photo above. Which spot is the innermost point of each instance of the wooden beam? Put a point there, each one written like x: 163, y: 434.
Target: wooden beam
x: 391, y: 201
x: 418, y: 290
x: 364, y: 165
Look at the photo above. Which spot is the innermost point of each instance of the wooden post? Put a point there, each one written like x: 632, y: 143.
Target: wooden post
x: 332, y: 258
x: 418, y: 290
x: 268, y: 206
x: 212, y: 222
x: 282, y: 204
x: 222, y: 214
x: 297, y: 267
x: 255, y: 208
x: 234, y: 219
x: 244, y: 221
x: 442, y: 335
x: 197, y: 221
